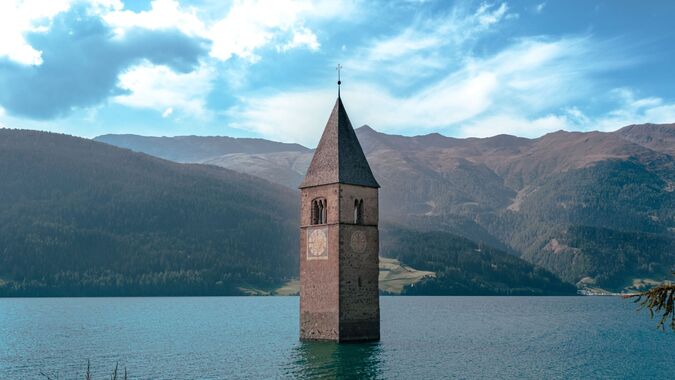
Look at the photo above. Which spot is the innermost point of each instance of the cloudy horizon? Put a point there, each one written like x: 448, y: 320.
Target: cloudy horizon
x: 267, y: 68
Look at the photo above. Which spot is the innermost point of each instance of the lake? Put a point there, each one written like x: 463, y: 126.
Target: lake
x: 257, y: 337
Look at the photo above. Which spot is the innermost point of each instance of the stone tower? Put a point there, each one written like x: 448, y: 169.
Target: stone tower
x: 339, y: 239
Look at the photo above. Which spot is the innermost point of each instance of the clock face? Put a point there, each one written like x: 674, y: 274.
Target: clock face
x: 317, y: 244
x: 358, y: 241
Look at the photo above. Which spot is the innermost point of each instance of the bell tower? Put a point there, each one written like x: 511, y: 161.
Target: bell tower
x: 339, y: 239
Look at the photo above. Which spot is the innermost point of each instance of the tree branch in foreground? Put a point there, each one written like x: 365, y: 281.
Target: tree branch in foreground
x: 658, y: 299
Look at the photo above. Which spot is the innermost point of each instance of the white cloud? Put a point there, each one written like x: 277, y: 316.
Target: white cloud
x: 576, y: 116
x: 630, y: 109
x: 163, y: 14
x: 539, y: 7
x: 410, y: 41
x: 300, y: 116
x: 525, y: 89
x: 515, y: 125
x: 162, y: 89
x: 241, y: 28
x: 535, y: 74
x: 2, y: 115
x: 487, y: 17
x: 301, y: 37
x: 295, y: 117
x: 20, y: 17
x: 252, y: 25
x: 664, y: 114
x: 510, y: 89
x: 238, y: 29
x: 627, y: 110
x: 427, y: 46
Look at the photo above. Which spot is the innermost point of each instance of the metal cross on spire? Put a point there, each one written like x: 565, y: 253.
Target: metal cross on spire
x: 338, y: 68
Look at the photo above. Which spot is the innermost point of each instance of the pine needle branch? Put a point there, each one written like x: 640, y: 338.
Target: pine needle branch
x: 658, y: 300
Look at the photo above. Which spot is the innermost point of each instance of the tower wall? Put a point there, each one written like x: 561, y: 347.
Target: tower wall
x: 339, y: 295
x: 359, y: 266
x: 319, y: 277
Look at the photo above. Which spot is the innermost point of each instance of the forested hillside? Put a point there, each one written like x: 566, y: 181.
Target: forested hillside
x: 529, y: 197
x: 463, y: 267
x: 594, y: 206
x: 82, y: 218
x: 78, y: 217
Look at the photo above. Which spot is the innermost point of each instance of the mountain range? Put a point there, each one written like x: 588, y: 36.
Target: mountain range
x: 83, y: 218
x: 595, y: 208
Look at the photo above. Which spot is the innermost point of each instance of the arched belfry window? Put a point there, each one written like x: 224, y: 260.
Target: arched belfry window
x: 319, y: 211
x: 358, y: 211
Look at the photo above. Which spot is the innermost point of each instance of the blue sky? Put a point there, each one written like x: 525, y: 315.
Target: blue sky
x: 267, y: 68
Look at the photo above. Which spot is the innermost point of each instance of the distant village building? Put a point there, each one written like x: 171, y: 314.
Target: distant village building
x: 339, y: 239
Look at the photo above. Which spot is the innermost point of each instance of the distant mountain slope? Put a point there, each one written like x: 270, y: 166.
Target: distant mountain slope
x: 78, y: 217
x: 529, y: 193
x: 284, y: 168
x: 523, y: 195
x: 196, y: 148
x: 490, y: 173
x: 658, y: 137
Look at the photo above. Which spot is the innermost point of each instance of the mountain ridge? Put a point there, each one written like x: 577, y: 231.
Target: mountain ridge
x: 195, y: 148
x: 521, y: 194
x: 84, y: 218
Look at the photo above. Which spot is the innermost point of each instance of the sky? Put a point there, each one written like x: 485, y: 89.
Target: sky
x: 267, y: 68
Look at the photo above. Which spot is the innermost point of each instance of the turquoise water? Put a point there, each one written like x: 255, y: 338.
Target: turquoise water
x: 257, y: 337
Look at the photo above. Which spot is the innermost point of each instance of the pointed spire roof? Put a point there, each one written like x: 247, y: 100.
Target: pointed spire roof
x: 338, y: 157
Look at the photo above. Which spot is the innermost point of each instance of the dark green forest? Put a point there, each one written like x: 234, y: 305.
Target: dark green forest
x: 83, y: 218
x: 611, y: 257
x: 611, y: 220
x: 465, y: 268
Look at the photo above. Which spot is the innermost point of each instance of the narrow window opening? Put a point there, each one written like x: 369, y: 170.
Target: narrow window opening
x: 324, y: 212
x: 358, y: 211
x: 315, y: 212
x: 359, y: 282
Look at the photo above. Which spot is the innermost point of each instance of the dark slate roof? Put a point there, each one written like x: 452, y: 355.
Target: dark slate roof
x: 338, y: 157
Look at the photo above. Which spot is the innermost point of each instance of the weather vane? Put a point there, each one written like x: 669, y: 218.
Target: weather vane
x: 338, y: 68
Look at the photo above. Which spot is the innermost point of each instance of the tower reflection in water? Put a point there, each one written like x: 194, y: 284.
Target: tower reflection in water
x: 313, y: 360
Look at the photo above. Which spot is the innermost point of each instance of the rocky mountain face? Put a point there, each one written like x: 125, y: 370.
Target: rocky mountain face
x: 597, y: 209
